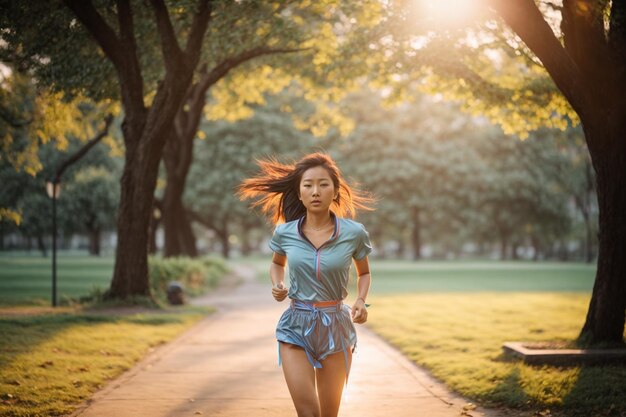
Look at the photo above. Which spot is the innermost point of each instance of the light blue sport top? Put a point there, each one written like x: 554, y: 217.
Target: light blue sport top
x: 320, y: 274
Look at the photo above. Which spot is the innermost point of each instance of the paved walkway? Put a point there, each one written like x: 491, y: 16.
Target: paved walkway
x: 227, y: 366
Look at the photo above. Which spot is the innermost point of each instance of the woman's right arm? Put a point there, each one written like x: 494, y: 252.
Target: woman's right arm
x: 277, y: 275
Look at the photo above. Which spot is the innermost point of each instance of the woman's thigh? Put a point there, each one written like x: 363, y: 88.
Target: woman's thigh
x: 330, y: 382
x: 300, y: 377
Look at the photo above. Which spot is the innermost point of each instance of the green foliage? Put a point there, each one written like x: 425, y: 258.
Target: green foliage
x: 195, y: 275
x: 228, y: 153
x: 455, y: 179
x: 463, y: 52
x: 31, y: 120
x: 89, y: 192
x: 92, y: 198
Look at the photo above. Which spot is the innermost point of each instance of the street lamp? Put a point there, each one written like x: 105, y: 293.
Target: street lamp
x: 54, y: 190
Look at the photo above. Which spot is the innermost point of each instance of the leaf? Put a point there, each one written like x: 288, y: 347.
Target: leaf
x: 469, y: 406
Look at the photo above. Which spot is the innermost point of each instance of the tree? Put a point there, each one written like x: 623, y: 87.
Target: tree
x: 153, y: 79
x: 419, y: 161
x: 31, y: 117
x: 519, y: 198
x: 145, y: 124
x: 227, y: 156
x: 278, y: 43
x: 93, y: 197
x: 89, y: 189
x: 557, y: 60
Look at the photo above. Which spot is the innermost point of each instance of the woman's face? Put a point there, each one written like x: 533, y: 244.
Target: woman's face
x: 317, y: 190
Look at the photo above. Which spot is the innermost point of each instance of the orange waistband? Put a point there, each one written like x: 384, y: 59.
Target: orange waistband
x: 323, y: 303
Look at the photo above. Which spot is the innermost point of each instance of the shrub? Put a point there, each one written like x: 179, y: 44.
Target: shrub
x: 195, y: 275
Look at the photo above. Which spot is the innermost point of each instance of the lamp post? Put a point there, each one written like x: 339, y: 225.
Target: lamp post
x: 54, y: 190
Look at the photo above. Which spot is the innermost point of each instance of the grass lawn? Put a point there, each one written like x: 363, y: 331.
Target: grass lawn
x: 49, y: 363
x: 452, y: 318
x: 28, y: 279
x: 53, y: 359
x: 469, y: 276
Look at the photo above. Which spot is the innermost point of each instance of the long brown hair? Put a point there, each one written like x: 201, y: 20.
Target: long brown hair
x: 276, y: 189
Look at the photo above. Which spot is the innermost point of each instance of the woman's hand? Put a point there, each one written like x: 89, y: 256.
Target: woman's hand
x: 359, y: 312
x: 279, y: 292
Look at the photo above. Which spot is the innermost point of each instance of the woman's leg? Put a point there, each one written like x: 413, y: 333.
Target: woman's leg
x: 300, y: 378
x: 330, y: 382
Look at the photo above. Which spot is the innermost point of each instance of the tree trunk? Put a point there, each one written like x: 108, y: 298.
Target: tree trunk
x: 416, y: 239
x: 504, y: 246
x: 40, y: 245
x: 246, y: 246
x: 514, y: 251
x: 130, y: 275
x: 223, y: 234
x: 605, y: 318
x: 94, y: 241
x: 401, y: 248
x: 177, y: 158
x: 144, y: 127
x: 179, y: 237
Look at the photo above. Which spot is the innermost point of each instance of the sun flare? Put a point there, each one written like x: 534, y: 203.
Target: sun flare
x: 450, y: 12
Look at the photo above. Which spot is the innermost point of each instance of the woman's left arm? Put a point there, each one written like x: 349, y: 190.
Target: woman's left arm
x: 364, y: 279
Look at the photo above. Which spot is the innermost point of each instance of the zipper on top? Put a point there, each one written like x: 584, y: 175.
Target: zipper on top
x: 318, y: 256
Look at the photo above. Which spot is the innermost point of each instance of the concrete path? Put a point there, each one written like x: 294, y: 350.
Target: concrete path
x: 227, y: 366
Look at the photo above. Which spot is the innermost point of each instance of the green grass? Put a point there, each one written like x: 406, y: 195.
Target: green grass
x: 50, y: 363
x: 453, y: 317
x: 458, y: 338
x: 28, y: 279
x: 431, y: 276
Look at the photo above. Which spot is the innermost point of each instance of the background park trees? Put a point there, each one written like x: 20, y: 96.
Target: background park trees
x: 448, y: 184
x: 528, y: 64
x: 154, y: 79
x: 543, y: 64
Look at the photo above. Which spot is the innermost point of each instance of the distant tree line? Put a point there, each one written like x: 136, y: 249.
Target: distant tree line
x: 447, y: 184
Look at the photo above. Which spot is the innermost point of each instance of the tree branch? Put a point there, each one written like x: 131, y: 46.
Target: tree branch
x: 125, y: 20
x: 131, y: 79
x: 526, y: 20
x: 99, y: 29
x: 584, y: 39
x: 82, y: 151
x: 121, y: 52
x: 169, y: 43
x: 221, y: 69
x: 198, y: 29
x: 206, y: 222
x: 187, y: 122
